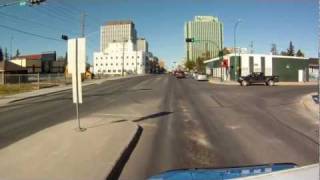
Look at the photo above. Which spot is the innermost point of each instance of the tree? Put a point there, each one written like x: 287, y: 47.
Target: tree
x: 17, y: 53
x: 200, y: 66
x: 274, y: 50
x: 290, y: 50
x: 190, y: 65
x: 284, y: 53
x: 6, y: 55
x: 225, y: 51
x: 300, y: 53
x: 1, y: 54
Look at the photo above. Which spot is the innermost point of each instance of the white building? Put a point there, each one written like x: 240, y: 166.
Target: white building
x: 110, y: 61
x: 142, y: 45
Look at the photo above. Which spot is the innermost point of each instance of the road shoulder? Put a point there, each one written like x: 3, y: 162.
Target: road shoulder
x: 61, y: 152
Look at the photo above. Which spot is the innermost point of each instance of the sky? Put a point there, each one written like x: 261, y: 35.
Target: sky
x: 161, y: 22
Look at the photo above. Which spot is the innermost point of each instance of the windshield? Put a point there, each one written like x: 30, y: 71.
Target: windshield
x: 136, y: 89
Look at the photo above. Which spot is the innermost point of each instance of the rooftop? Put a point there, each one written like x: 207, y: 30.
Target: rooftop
x: 119, y: 22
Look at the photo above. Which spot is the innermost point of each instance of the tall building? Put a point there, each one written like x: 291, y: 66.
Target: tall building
x: 208, y: 33
x: 117, y: 31
x: 142, y: 45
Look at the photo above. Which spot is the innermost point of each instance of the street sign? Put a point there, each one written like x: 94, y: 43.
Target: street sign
x: 76, y: 66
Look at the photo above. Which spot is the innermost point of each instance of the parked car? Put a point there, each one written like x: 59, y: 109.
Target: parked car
x: 180, y: 74
x: 201, y: 77
x: 258, y: 78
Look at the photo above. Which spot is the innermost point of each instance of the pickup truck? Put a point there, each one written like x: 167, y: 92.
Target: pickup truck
x: 258, y: 78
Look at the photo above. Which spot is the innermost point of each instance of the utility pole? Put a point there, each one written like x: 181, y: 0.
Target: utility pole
x: 11, y: 39
x: 251, y: 47
x: 235, y: 51
x: 82, y: 23
x: 122, y: 73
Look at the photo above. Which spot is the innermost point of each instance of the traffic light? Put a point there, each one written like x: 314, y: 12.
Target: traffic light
x: 189, y: 40
x: 36, y: 2
x: 64, y: 37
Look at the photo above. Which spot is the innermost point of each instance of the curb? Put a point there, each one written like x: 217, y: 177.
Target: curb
x: 221, y: 83
x: 125, y: 154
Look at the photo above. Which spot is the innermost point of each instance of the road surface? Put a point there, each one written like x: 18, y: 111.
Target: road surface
x: 186, y: 124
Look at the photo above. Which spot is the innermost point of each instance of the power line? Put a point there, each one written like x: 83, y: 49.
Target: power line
x: 53, y: 28
x: 29, y: 33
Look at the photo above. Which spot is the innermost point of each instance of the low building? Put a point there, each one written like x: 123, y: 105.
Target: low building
x: 288, y: 68
x: 111, y: 61
x: 7, y: 67
x: 40, y: 63
x: 313, y: 69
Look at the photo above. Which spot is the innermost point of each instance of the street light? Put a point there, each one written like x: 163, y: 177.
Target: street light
x: 234, y: 48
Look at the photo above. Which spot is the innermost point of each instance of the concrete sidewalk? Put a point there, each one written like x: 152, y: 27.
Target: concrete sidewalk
x: 4, y: 100
x: 310, y: 104
x: 311, y: 83
x: 61, y: 152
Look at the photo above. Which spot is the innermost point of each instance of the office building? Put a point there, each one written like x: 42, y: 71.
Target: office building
x: 207, y: 32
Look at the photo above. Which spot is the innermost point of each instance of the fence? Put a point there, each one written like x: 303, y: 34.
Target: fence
x: 35, y: 80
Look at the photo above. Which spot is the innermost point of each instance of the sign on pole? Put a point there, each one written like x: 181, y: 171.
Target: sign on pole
x: 76, y: 66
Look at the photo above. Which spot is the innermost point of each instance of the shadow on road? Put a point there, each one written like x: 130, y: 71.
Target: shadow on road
x: 151, y: 116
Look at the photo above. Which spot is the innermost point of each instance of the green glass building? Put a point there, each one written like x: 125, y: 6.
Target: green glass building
x: 207, y: 32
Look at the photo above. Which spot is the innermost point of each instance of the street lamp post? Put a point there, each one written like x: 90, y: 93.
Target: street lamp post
x: 234, y: 48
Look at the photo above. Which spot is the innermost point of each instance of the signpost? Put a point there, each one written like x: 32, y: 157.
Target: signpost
x: 76, y: 66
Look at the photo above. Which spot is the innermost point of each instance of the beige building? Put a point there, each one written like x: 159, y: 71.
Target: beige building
x: 117, y: 31
x: 142, y: 45
x: 32, y: 66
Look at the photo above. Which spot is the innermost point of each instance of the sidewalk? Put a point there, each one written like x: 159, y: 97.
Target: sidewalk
x: 16, y: 97
x: 218, y: 81
x: 310, y: 104
x: 61, y: 152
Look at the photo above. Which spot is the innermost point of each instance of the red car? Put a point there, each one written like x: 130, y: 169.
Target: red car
x: 179, y: 74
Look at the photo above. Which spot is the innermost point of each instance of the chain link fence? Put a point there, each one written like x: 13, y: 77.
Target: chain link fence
x: 36, y: 81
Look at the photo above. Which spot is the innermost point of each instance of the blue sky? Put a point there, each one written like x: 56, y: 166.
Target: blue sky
x: 161, y: 22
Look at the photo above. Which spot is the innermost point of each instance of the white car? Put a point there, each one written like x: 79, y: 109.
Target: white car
x: 201, y: 77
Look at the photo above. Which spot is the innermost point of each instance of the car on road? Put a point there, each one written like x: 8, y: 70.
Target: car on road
x: 201, y: 77
x: 180, y: 74
x: 258, y: 78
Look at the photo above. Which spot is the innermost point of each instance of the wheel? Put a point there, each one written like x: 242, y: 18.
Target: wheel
x: 271, y: 83
x: 244, y: 83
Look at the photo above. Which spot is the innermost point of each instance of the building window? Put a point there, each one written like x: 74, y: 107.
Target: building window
x: 101, y: 64
x: 98, y: 70
x: 116, y: 64
x: 119, y: 70
x: 96, y: 64
x: 116, y: 57
x: 111, y: 57
x: 106, y: 57
x: 109, y: 70
x: 138, y: 56
x: 104, y: 70
x: 127, y: 64
x: 132, y: 64
x: 101, y: 58
x: 114, y: 70
x: 111, y: 64
x: 127, y: 57
x: 132, y: 57
x: 106, y: 64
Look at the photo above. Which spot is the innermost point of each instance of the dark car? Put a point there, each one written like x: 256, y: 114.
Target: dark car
x: 258, y: 78
x: 180, y: 74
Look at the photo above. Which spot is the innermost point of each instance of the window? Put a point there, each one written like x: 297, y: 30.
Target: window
x: 127, y: 64
x: 104, y: 70
x: 101, y: 64
x: 106, y: 64
x: 132, y: 57
x: 111, y: 57
x: 127, y: 57
x: 114, y: 70
x: 116, y: 57
x: 99, y: 71
x: 119, y: 70
x: 116, y: 64
x: 96, y: 64
x: 137, y: 63
x: 111, y: 64
x: 100, y: 57
x: 138, y: 57
x: 132, y: 64
x: 109, y: 70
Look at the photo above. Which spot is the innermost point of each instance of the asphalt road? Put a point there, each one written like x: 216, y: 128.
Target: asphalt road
x: 186, y: 124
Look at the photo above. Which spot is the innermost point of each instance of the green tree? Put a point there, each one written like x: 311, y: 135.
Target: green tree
x: 190, y: 65
x: 17, y: 53
x: 200, y: 66
x: 274, y: 50
x: 1, y: 54
x: 300, y: 53
x: 290, y: 50
x: 284, y: 53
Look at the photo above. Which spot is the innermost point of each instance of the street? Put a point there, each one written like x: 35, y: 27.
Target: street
x: 186, y: 123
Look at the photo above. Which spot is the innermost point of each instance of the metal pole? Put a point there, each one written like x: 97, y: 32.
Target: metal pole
x: 235, y: 52
x: 77, y: 88
x: 123, y: 57
x: 82, y: 23
x: 136, y: 62
x: 11, y: 38
x: 38, y: 80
